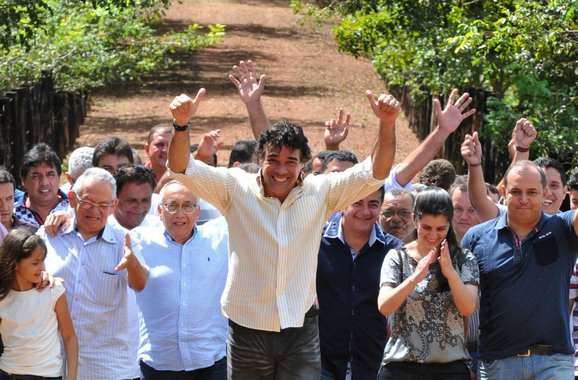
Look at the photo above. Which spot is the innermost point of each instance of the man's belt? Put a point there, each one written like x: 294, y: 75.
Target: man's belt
x: 538, y: 349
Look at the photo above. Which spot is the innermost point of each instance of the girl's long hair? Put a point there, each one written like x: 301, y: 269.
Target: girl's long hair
x: 436, y: 201
x: 17, y: 245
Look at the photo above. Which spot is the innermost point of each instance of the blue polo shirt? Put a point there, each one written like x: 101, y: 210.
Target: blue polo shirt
x: 524, y: 284
x: 351, y: 328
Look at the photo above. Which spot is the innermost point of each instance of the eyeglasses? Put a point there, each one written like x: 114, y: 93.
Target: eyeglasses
x: 172, y: 208
x: 400, y: 213
x: 88, y: 205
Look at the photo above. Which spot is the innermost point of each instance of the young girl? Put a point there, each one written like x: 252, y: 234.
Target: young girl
x: 429, y: 286
x: 30, y: 319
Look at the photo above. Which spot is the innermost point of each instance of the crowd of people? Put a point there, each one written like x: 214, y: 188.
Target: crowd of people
x: 288, y: 264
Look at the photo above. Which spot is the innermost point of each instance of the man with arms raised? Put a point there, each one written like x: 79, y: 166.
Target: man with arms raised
x: 275, y: 220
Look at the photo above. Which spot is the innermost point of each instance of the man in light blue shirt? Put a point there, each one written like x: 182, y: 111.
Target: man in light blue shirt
x: 95, y: 260
x: 182, y: 331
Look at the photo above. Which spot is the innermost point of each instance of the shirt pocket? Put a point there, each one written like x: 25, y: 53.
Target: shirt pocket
x: 106, y: 288
x: 545, y: 250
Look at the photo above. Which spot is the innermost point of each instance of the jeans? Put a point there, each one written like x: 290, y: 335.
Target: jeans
x: 535, y: 367
x: 217, y: 371
x: 424, y: 371
x: 292, y: 353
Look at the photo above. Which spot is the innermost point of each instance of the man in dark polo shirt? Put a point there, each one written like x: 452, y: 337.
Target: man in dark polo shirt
x: 352, y: 331
x: 525, y: 258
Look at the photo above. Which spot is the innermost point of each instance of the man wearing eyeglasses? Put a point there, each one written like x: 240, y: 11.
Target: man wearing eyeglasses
x: 183, y: 333
x: 97, y: 263
x: 396, y: 216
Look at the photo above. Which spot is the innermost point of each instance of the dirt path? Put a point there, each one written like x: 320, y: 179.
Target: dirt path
x: 308, y: 81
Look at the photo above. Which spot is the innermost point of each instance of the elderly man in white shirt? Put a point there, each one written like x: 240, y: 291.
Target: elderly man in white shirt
x: 275, y: 220
x: 99, y: 268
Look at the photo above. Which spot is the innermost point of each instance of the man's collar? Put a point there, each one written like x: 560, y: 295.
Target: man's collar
x: 334, y: 230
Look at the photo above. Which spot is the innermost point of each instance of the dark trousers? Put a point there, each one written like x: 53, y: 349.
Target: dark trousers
x: 428, y: 371
x: 290, y: 354
x: 217, y: 371
x: 5, y: 376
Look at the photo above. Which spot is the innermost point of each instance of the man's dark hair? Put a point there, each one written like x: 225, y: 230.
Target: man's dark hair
x: 547, y: 163
x: 40, y: 153
x: 285, y: 134
x: 137, y: 174
x: 112, y: 146
x: 573, y: 180
x: 339, y: 155
x: 492, y: 189
x: 164, y: 127
x: 6, y: 177
x: 243, y: 151
x: 438, y: 173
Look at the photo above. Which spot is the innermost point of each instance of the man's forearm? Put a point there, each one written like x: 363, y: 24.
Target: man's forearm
x: 421, y: 156
x: 179, y: 152
x: 257, y: 118
x: 383, y: 151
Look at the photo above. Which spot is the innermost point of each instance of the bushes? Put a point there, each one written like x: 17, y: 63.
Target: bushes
x: 524, y: 52
x: 90, y: 43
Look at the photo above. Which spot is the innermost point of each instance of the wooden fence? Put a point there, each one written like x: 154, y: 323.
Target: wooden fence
x: 39, y: 113
x: 421, y: 119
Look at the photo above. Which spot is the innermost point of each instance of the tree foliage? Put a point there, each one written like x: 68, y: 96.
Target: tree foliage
x: 89, y: 43
x: 524, y: 52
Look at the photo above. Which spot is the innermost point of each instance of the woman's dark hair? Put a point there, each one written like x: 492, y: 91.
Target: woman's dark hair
x: 436, y: 201
x: 17, y: 245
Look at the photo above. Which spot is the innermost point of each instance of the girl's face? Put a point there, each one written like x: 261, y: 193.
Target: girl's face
x: 29, y: 270
x: 432, y: 230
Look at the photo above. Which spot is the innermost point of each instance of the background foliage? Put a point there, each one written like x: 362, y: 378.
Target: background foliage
x: 524, y: 52
x: 89, y: 43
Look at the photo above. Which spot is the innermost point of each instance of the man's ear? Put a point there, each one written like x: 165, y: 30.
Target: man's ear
x: 236, y: 164
x: 146, y: 148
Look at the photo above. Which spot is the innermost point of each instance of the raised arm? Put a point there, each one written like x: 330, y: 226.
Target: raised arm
x: 449, y: 119
x: 250, y: 89
x: 183, y: 108
x: 523, y: 136
x: 471, y: 151
x: 336, y: 131
x: 209, y: 146
x: 385, y: 108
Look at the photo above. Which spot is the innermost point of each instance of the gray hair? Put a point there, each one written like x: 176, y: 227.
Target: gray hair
x: 95, y: 175
x: 80, y: 160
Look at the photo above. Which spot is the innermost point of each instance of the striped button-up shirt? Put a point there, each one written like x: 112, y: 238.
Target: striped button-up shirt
x: 98, y: 300
x: 273, y: 246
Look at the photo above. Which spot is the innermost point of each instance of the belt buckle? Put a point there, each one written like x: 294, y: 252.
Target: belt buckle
x: 525, y: 354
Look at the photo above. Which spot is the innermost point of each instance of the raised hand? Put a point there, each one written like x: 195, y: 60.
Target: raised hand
x: 524, y: 134
x: 450, y: 118
x: 445, y: 261
x: 183, y: 107
x: 471, y: 150
x: 336, y: 131
x: 128, y: 255
x: 210, y: 144
x: 423, y: 265
x: 385, y: 108
x: 244, y: 77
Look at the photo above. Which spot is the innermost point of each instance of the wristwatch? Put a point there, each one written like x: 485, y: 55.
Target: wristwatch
x: 179, y: 128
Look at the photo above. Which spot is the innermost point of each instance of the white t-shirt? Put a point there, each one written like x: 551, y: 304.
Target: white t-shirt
x: 30, y: 334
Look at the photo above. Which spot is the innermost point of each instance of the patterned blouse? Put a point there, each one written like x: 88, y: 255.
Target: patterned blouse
x: 427, y: 327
